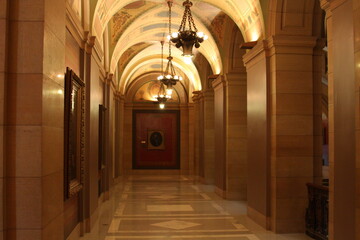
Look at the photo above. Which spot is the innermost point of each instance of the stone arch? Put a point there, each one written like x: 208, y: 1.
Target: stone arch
x: 135, y: 85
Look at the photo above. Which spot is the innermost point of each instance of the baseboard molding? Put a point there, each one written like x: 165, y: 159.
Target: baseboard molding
x: 154, y: 172
x: 91, y: 221
x: 76, y: 233
x: 235, y: 196
x: 259, y: 218
x: 220, y: 192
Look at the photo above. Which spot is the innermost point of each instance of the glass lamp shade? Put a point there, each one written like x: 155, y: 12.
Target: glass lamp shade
x: 162, y: 105
x: 169, y: 92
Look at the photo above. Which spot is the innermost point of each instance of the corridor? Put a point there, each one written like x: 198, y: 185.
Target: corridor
x: 169, y: 207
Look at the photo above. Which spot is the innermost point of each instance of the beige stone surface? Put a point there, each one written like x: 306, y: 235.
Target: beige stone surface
x: 25, y: 99
x: 293, y: 104
x: 27, y: 47
x: 3, y: 7
x: 2, y: 160
x: 24, y: 201
x: 55, y: 19
x: 27, y: 10
x: 294, y: 125
x: 3, y: 33
x: 2, y: 198
x: 27, y: 162
x: 53, y: 103
x: 52, y: 150
x: 169, y: 208
x: 52, y: 197
x: 54, y: 55
x: 55, y: 229
x: 24, y: 234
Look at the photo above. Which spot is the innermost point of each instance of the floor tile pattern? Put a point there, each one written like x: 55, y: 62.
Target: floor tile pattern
x: 173, y: 207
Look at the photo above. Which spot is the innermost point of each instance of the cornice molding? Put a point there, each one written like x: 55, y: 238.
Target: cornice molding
x: 260, y: 49
x: 291, y: 45
x: 219, y: 82
x: 197, y: 95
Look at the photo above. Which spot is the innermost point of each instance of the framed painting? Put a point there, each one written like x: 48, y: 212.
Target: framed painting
x: 74, y: 134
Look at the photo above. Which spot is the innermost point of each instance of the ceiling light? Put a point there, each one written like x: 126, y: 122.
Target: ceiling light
x: 188, y: 36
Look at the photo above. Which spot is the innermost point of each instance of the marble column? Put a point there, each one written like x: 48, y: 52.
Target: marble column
x: 117, y: 144
x: 356, y: 14
x: 208, y: 137
x: 121, y: 114
x: 236, y: 136
x: 343, y: 117
x: 184, y: 139
x: 86, y: 75
x: 191, y: 143
x: 219, y: 86
x: 291, y: 129
x: 127, y: 137
x: 3, y: 46
x: 34, y: 127
x: 231, y: 135
x: 258, y: 145
x: 197, y: 128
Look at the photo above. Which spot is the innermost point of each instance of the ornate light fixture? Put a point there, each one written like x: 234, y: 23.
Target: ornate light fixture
x: 187, y: 37
x: 162, y: 97
x: 169, y: 77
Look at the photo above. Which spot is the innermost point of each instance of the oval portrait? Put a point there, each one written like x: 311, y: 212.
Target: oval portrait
x: 156, y: 139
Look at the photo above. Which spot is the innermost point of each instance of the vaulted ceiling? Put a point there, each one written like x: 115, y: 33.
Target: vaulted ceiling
x: 133, y: 31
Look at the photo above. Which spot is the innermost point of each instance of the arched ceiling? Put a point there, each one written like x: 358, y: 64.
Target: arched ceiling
x: 135, y: 29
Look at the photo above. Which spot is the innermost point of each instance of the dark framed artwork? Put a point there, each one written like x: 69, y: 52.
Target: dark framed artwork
x: 74, y: 134
x: 156, y: 140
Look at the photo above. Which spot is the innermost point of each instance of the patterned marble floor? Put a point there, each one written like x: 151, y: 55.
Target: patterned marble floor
x: 168, y: 207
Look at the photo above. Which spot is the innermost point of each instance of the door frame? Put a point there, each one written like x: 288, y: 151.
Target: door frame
x: 178, y: 165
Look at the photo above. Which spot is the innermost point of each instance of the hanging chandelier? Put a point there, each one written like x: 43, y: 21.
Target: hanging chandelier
x: 162, y: 97
x: 169, y: 77
x: 188, y: 36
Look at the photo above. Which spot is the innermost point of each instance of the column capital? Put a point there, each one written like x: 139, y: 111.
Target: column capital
x: 108, y: 79
x: 118, y: 96
x: 325, y: 5
x: 329, y: 5
x: 235, y: 79
x: 89, y: 42
x: 219, y: 82
x: 210, y: 80
x: 291, y: 44
x: 197, y: 95
x: 256, y: 54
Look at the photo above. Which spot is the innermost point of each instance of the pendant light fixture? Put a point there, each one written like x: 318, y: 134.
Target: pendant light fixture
x: 163, y: 95
x: 188, y: 36
x: 169, y: 76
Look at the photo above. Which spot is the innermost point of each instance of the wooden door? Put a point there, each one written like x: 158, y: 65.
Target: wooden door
x: 156, y: 140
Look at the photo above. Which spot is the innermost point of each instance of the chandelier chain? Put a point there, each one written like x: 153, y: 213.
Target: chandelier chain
x: 191, y: 21
x: 169, y: 4
x: 162, y: 57
x: 187, y: 17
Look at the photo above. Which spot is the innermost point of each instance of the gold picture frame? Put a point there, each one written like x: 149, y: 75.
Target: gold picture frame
x: 74, y: 134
